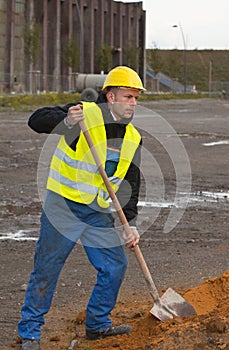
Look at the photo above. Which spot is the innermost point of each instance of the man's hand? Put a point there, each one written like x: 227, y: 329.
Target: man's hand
x: 74, y: 116
x: 132, y: 239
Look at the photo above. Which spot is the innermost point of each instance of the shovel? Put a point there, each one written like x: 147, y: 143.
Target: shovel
x: 171, y: 304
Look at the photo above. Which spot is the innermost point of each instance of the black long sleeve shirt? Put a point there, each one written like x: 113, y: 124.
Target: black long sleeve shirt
x: 51, y: 120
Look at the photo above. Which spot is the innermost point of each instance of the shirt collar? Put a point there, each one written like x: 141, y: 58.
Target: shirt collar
x: 113, y: 116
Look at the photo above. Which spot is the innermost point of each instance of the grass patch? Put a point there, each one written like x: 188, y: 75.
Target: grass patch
x: 25, y: 103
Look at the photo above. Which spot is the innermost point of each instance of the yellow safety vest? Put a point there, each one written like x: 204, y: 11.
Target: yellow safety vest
x: 74, y: 174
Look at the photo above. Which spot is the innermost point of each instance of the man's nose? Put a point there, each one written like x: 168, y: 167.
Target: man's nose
x: 133, y: 101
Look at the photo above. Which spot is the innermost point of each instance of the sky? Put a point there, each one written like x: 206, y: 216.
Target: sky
x: 200, y: 24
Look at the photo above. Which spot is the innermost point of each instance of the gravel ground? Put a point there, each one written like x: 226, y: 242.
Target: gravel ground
x: 183, y: 218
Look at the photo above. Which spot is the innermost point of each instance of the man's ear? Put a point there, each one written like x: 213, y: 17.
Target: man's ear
x: 110, y: 96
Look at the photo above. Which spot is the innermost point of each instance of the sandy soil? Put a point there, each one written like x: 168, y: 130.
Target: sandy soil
x: 192, y: 258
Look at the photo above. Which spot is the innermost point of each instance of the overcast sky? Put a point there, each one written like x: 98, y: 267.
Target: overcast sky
x: 204, y: 23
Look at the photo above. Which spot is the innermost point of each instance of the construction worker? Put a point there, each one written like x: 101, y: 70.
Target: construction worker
x: 77, y: 206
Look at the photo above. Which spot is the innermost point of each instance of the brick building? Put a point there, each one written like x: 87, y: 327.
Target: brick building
x: 39, y: 40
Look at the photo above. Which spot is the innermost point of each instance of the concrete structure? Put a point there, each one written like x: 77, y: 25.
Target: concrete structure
x: 12, y: 14
x: 89, y: 24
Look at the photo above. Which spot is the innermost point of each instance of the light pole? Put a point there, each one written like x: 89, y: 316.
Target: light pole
x: 81, y: 38
x: 184, y: 55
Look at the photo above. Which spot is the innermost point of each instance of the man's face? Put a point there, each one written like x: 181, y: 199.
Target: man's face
x: 122, y: 102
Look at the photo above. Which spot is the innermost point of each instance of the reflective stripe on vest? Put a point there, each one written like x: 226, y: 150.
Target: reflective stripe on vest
x: 75, y: 175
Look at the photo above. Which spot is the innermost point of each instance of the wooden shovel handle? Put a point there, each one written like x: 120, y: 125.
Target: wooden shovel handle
x: 122, y: 217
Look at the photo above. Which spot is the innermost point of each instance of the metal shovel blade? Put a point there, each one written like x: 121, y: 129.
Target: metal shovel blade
x: 171, y: 305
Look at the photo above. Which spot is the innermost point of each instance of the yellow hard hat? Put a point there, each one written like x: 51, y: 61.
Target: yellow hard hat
x: 124, y: 77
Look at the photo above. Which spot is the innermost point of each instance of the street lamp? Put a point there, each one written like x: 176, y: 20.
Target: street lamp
x: 185, y: 55
x: 81, y: 38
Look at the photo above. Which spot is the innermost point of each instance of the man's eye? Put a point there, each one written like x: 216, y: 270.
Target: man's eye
x: 130, y: 97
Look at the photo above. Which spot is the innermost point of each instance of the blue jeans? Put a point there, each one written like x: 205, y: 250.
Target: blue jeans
x: 63, y: 223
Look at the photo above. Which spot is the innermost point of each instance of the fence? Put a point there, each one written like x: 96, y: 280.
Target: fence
x: 219, y: 87
x: 35, y: 82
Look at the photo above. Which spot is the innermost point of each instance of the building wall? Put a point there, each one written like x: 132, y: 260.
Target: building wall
x: 90, y: 23
x: 3, y: 39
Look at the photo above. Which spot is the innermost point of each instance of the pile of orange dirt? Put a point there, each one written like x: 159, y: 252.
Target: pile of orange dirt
x: 209, y: 329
